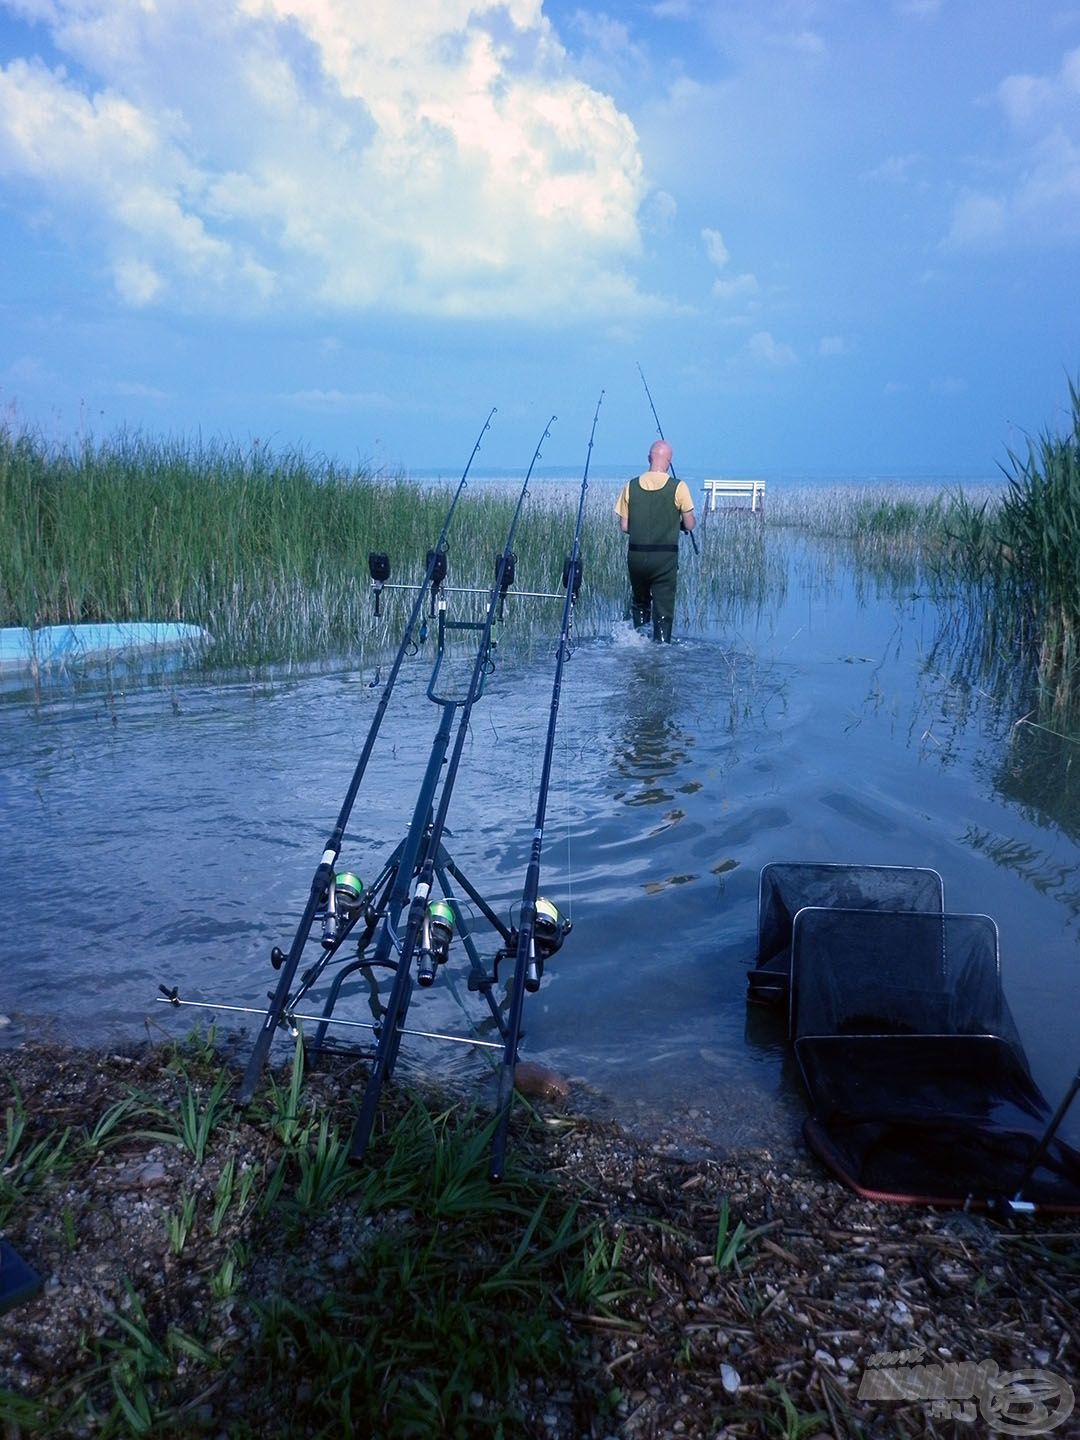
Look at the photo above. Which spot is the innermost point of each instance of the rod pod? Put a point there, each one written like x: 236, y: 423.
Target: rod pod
x: 324, y: 871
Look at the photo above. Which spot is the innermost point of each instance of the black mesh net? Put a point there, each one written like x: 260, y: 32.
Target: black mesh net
x: 785, y: 889
x: 918, y: 1083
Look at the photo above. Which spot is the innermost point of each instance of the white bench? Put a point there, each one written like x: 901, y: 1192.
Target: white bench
x: 736, y: 490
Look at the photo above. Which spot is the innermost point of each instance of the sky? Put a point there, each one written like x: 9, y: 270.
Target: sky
x: 839, y: 237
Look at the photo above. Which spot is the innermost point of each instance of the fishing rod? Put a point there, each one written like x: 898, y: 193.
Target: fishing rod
x: 660, y: 432
x: 323, y: 881
x: 540, y: 929
x: 429, y: 924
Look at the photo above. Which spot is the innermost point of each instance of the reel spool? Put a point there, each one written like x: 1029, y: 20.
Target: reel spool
x: 550, y: 929
x: 438, y: 933
x: 344, y: 901
x: 350, y: 892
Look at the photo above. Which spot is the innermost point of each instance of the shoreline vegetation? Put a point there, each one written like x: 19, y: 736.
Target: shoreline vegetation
x: 268, y: 552
x: 212, y: 1272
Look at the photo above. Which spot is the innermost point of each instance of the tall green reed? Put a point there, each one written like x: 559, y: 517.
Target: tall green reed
x: 1040, y: 554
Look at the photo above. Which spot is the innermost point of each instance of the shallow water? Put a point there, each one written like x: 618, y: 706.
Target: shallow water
x: 167, y: 832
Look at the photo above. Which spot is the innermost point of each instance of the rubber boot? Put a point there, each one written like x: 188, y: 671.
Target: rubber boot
x: 662, y: 629
x: 640, y: 615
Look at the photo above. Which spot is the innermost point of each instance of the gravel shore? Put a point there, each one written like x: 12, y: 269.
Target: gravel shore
x: 749, y: 1295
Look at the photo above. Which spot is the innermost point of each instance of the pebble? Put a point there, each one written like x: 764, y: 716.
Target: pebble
x: 1041, y: 1357
x: 822, y: 1357
x: 730, y: 1378
x: 540, y: 1081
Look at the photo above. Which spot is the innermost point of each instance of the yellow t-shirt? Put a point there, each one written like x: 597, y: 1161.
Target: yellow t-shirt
x: 655, y: 480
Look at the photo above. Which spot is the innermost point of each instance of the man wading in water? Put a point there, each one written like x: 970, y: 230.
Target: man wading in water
x: 652, y: 509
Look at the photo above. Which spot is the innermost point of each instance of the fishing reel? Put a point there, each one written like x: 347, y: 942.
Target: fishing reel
x: 344, y: 902
x: 379, y: 569
x: 437, y: 933
x: 550, y: 929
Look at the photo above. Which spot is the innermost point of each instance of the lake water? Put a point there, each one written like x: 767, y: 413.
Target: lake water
x: 167, y: 830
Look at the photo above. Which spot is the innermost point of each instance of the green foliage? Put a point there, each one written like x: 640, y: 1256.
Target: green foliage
x: 790, y: 1423
x: 25, y: 1164
x: 107, y: 1130
x: 266, y: 551
x: 179, y: 1223
x: 421, y: 1323
x: 1040, y: 534
x: 199, y: 1118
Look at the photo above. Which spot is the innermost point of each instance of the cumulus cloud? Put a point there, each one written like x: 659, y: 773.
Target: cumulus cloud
x: 739, y: 287
x: 1025, y: 98
x: 659, y: 211
x: 727, y: 288
x: 715, y: 248
x: 1040, y: 203
x: 763, y: 349
x: 436, y: 158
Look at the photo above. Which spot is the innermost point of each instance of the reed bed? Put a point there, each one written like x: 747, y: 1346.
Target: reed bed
x: 1037, y: 564
x: 268, y: 552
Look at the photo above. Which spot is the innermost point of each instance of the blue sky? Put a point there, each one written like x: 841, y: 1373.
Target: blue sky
x: 840, y: 236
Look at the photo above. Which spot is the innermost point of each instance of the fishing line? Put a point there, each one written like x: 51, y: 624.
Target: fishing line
x: 542, y: 929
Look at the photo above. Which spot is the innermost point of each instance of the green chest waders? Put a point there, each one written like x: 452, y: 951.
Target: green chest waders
x: 653, y: 556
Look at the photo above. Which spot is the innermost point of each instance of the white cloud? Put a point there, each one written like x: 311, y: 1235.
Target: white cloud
x: 1026, y: 98
x: 896, y: 168
x: 920, y: 8
x: 659, y: 211
x: 767, y: 351
x: 1038, y: 201
x: 715, y: 248
x: 739, y: 287
x: 830, y: 345
x: 435, y: 157
x: 977, y: 220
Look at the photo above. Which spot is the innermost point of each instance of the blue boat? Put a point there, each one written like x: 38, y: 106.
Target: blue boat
x: 57, y: 647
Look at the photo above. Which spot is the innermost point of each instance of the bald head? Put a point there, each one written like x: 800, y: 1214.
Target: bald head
x: 660, y: 455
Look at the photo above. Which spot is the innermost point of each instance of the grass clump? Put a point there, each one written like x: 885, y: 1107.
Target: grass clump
x: 1040, y: 555
x: 407, y: 1297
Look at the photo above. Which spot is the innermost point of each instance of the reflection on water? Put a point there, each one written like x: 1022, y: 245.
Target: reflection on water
x: 168, y: 832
